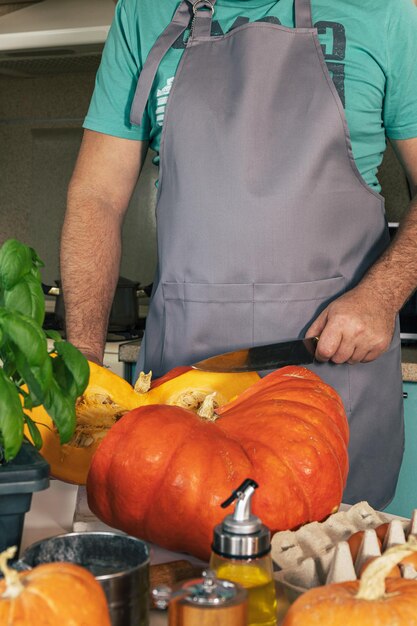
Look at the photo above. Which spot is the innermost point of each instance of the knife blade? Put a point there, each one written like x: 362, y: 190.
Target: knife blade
x: 267, y: 357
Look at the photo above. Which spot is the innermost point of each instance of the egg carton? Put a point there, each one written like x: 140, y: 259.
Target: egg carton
x: 319, y: 553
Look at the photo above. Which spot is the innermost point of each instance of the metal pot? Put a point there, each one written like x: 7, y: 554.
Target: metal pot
x: 120, y: 563
x: 124, y: 313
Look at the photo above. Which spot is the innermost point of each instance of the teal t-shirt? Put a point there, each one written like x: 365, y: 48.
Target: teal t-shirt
x: 370, y: 47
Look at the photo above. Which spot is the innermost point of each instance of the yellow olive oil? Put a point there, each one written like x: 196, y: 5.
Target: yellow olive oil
x: 241, y: 553
x: 256, y: 576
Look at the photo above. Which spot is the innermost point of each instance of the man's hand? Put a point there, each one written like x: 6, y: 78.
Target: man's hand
x: 356, y: 327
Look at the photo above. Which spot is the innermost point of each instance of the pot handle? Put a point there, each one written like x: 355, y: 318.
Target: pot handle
x: 50, y: 290
x: 21, y: 566
x: 144, y: 292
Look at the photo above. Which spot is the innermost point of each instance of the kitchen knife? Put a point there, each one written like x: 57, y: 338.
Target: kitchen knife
x: 268, y: 357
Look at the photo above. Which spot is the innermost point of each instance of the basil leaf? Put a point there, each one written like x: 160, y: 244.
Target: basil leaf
x: 11, y: 418
x: 7, y: 357
x: 34, y: 432
x: 26, y: 334
x: 27, y: 298
x: 28, y: 403
x: 16, y: 261
x: 62, y: 410
x: 71, y: 369
x: 17, y: 367
x: 52, y: 381
x: 37, y: 377
x: 53, y: 334
x: 36, y: 263
x: 63, y: 377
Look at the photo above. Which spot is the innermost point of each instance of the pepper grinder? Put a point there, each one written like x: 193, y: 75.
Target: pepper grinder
x: 205, y: 601
x: 241, y: 552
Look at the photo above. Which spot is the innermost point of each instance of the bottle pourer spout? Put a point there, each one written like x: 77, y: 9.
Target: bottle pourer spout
x: 243, y: 494
x: 242, y: 519
x: 241, y: 534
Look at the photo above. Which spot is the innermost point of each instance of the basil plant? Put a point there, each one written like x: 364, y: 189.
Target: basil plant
x: 30, y: 374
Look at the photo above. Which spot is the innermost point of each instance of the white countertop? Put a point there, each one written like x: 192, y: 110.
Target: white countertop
x: 50, y: 514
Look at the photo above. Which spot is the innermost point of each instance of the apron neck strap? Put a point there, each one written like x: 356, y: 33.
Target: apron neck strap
x: 302, y: 9
x: 175, y: 28
x: 200, y: 12
x: 203, y: 11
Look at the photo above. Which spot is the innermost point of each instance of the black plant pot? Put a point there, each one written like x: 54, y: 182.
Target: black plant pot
x: 28, y: 472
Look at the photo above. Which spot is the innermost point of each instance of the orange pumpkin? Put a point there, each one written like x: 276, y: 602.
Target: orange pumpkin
x: 108, y: 397
x: 162, y: 472
x: 51, y: 594
x: 375, y: 600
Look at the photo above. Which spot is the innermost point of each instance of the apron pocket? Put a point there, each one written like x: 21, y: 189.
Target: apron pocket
x: 205, y: 319
x: 285, y: 311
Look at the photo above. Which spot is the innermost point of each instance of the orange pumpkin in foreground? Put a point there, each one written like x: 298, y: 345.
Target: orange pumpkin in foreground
x: 53, y: 594
x: 375, y: 600
x: 108, y: 397
x: 162, y: 472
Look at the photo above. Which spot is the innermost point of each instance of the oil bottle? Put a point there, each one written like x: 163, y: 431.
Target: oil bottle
x: 241, y: 552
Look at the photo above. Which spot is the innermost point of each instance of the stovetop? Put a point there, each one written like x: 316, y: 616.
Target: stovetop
x: 129, y: 334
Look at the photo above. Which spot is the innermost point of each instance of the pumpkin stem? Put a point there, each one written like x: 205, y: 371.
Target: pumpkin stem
x: 372, y: 583
x: 13, y: 585
x: 207, y: 409
x: 143, y: 383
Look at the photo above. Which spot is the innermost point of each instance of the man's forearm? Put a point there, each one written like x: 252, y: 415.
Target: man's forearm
x: 90, y: 260
x: 393, y: 277
x: 105, y: 175
x: 358, y: 326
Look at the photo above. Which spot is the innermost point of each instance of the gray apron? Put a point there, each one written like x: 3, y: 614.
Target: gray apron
x: 263, y: 217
